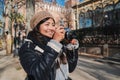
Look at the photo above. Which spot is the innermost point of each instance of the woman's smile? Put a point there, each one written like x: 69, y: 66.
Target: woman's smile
x: 47, y: 28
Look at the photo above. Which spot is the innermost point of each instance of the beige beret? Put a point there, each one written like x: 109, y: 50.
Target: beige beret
x: 38, y: 17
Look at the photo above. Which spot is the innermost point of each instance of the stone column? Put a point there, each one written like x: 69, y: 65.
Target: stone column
x: 105, y: 50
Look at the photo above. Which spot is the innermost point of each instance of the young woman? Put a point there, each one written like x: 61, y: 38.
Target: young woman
x: 43, y: 56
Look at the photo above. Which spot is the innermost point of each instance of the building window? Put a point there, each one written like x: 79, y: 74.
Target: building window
x: 117, y: 6
x: 97, y: 21
x: 108, y: 15
x: 81, y: 20
x: 85, y: 20
x: 88, y: 22
x: 117, y: 16
x: 108, y: 8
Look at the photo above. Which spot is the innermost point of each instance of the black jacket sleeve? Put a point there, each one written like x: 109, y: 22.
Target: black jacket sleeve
x: 72, y: 57
x: 36, y: 63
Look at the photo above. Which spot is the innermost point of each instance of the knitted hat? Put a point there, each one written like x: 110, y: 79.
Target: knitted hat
x: 38, y: 17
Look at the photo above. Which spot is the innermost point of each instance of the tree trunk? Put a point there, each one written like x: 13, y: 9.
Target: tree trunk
x: 8, y: 44
x: 30, y: 10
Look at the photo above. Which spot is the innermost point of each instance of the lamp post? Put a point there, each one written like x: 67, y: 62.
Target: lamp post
x: 15, y: 28
x: 15, y: 38
x: 77, y: 25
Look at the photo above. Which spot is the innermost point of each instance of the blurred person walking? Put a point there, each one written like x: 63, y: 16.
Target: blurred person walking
x: 8, y: 43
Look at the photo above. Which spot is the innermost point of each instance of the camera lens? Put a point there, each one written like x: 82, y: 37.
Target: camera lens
x: 69, y: 34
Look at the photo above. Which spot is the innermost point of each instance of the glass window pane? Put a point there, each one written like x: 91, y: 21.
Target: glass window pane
x: 117, y: 6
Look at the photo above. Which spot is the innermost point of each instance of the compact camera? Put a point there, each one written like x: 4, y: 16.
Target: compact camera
x: 69, y: 34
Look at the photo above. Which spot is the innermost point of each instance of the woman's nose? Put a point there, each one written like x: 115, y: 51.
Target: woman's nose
x: 52, y: 27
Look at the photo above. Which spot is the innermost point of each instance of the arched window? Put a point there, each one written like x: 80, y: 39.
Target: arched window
x: 89, y: 18
x: 117, y: 6
x: 81, y: 20
x: 97, y: 21
x: 108, y: 15
x: 108, y: 8
x: 85, y: 19
x: 117, y: 13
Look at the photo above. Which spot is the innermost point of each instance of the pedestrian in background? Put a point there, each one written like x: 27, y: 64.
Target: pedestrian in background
x: 8, y: 41
x: 43, y: 56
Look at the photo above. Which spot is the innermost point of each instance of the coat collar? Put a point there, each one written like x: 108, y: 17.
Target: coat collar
x: 39, y: 39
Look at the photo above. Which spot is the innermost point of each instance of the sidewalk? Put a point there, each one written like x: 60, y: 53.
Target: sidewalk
x: 111, y: 60
x: 80, y: 75
x: 10, y: 69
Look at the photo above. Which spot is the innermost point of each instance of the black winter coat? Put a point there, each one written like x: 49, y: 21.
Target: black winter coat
x: 38, y: 60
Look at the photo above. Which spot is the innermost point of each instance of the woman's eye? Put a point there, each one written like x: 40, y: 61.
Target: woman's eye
x: 53, y: 24
x: 47, y: 24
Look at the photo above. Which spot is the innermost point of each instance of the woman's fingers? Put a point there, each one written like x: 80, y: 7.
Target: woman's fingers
x: 59, y: 33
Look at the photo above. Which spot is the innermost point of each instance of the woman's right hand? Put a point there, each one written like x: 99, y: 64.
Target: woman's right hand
x: 59, y: 34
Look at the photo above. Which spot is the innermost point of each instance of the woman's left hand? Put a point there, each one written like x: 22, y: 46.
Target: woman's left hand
x: 74, y: 44
x: 74, y: 41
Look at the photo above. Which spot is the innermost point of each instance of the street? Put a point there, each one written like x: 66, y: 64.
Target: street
x: 98, y: 70
x: 10, y: 68
x: 87, y: 69
x: 94, y: 23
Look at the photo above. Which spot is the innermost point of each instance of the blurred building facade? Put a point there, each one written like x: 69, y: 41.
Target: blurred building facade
x: 98, y: 25
x: 95, y: 13
x: 59, y: 12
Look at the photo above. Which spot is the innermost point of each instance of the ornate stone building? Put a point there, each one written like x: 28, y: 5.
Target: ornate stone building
x: 60, y: 12
x: 92, y: 13
x: 16, y: 10
x: 98, y: 24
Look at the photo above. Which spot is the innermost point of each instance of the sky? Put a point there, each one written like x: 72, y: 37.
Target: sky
x: 1, y: 8
x: 60, y: 2
x: 81, y: 0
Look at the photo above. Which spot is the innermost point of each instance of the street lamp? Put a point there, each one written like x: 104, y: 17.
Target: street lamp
x: 15, y: 29
x: 15, y: 38
x: 106, y: 20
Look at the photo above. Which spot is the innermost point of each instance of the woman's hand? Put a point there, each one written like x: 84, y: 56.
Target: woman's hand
x: 73, y: 41
x: 59, y: 34
x: 74, y: 44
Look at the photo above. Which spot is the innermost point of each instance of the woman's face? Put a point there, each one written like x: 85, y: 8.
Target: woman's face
x: 47, y: 28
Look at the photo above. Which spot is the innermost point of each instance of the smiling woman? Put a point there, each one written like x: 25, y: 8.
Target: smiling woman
x: 43, y: 55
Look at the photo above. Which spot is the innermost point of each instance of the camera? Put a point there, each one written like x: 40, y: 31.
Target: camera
x: 69, y: 34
